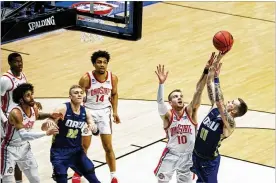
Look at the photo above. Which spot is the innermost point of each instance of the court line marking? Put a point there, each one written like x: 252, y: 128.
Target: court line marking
x: 14, y: 51
x: 213, y: 11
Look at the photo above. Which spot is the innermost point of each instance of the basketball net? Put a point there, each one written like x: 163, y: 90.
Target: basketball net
x: 98, y: 8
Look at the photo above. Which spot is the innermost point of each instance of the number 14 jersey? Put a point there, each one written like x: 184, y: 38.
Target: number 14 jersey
x: 181, y: 133
x: 98, y: 94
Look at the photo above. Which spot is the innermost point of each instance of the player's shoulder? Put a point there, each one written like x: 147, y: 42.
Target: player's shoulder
x: 6, y: 78
x: 15, y: 112
x: 113, y: 76
x: 61, y: 108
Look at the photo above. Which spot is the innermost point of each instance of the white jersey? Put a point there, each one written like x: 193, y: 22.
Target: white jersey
x: 181, y: 133
x: 98, y: 95
x: 8, y: 83
x: 12, y: 136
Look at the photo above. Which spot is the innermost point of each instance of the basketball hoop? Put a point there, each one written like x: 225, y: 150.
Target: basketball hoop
x: 99, y: 8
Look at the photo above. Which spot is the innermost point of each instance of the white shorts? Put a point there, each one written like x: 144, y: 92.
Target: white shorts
x: 171, y: 162
x: 102, y: 118
x: 22, y: 155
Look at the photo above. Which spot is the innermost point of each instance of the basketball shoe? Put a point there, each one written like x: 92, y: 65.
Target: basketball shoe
x: 114, y: 180
x: 76, y: 178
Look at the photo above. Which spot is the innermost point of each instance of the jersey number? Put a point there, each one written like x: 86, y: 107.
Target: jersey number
x: 203, y: 133
x: 182, y: 139
x: 72, y: 134
x: 100, y: 98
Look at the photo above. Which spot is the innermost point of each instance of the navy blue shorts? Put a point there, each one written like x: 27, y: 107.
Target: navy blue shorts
x: 206, y: 170
x: 74, y: 158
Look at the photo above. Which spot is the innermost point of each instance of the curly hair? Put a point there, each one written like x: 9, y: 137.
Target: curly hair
x: 19, y: 92
x: 99, y: 54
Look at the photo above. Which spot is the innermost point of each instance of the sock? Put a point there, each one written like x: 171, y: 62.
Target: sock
x: 113, y: 174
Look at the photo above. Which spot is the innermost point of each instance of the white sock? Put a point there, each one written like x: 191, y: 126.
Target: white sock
x: 113, y: 174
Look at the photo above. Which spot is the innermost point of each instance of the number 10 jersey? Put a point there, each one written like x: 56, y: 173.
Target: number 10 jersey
x: 181, y: 133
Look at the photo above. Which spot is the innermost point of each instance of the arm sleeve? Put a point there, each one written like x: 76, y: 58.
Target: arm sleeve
x: 6, y: 85
x: 3, y: 116
x: 25, y: 135
x: 162, y: 107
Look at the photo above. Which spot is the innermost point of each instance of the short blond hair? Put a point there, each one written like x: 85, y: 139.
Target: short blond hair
x: 73, y: 87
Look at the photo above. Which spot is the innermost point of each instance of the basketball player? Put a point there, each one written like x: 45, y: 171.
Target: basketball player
x: 67, y: 150
x: 218, y: 125
x: 9, y: 81
x: 180, y: 125
x: 15, y: 147
x: 100, y: 86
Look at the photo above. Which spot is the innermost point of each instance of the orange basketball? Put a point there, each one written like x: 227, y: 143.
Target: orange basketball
x: 223, y: 41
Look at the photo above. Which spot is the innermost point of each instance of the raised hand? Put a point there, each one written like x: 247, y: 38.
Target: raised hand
x: 51, y: 124
x: 217, y: 69
x: 162, y: 76
x: 211, y: 60
x: 39, y: 106
x: 52, y: 131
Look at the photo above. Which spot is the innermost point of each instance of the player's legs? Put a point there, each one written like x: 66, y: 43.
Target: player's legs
x: 102, y: 119
x: 104, y: 124
x: 109, y: 153
x: 85, y: 167
x: 166, y: 166
x: 8, y: 163
x: 27, y: 164
x: 206, y: 170
x: 183, y: 173
x: 60, y: 164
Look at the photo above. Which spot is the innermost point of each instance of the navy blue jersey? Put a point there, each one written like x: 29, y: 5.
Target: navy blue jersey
x: 70, y: 129
x: 210, y: 135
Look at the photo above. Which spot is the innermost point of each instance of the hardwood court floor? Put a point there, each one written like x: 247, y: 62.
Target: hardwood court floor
x: 181, y: 38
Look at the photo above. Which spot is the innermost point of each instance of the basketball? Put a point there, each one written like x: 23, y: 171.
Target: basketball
x: 223, y: 41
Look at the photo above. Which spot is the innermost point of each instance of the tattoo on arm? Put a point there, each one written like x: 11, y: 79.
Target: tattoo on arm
x: 210, y: 89
x: 229, y: 119
x: 218, y: 93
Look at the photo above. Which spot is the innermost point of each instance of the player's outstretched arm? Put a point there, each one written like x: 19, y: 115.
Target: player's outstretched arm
x: 16, y: 119
x: 51, y: 122
x: 42, y: 115
x: 211, y: 86
x: 227, y: 119
x: 196, y: 101
x: 163, y: 110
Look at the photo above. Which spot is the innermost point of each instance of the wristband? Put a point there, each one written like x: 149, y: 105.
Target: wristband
x: 205, y: 71
x: 216, y: 80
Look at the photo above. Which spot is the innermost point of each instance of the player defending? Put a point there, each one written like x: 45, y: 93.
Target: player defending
x: 180, y: 125
x: 102, y: 97
x: 67, y: 151
x: 15, y: 147
x: 216, y: 126
x: 9, y: 81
